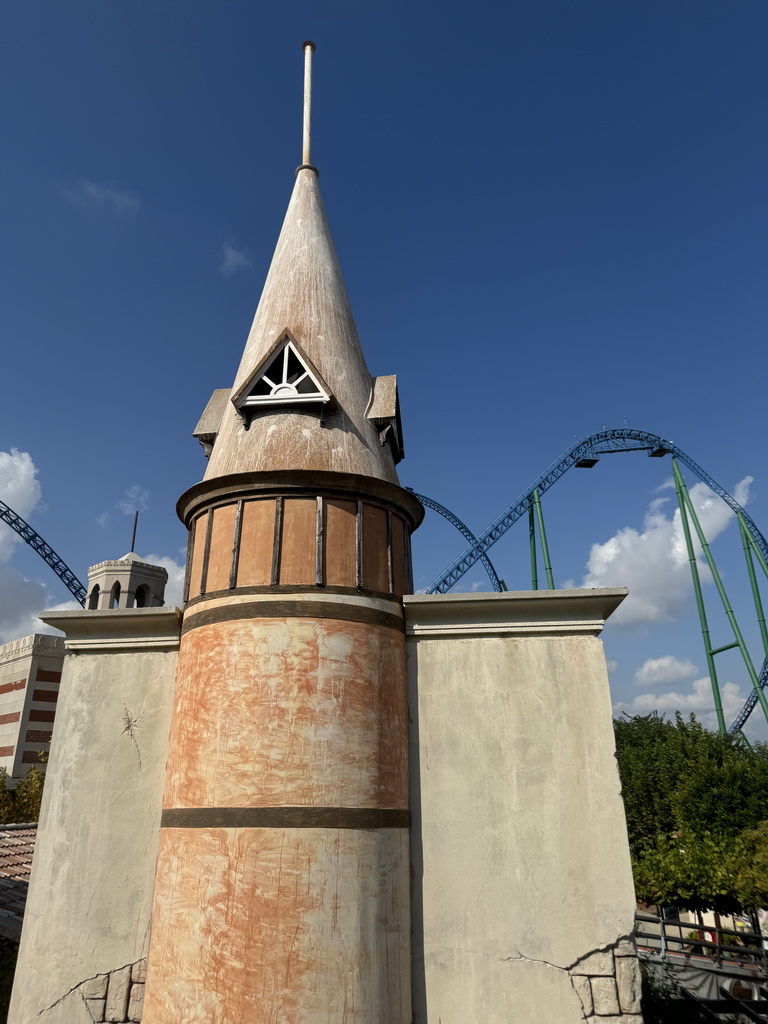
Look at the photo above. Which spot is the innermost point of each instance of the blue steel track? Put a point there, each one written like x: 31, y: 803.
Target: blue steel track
x: 591, y: 447
x: 46, y: 552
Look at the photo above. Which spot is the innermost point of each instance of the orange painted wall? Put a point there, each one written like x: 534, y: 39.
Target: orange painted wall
x: 280, y: 926
x: 289, y: 711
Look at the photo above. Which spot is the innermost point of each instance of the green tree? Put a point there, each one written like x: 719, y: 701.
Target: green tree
x: 23, y: 804
x: 29, y: 794
x: 6, y: 800
x: 696, y: 805
x: 752, y: 868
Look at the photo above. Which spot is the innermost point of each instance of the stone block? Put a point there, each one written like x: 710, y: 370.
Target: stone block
x: 605, y: 1001
x: 622, y: 1019
x: 584, y: 992
x: 96, y: 1008
x: 628, y: 984
x: 94, y: 988
x: 594, y: 964
x: 139, y: 971
x: 136, y: 1002
x: 117, y: 994
x: 625, y: 947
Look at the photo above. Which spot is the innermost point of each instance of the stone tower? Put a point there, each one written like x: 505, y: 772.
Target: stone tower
x: 126, y: 583
x: 234, y: 779
x: 282, y: 887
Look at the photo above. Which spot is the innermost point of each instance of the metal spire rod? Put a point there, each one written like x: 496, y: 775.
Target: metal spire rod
x: 309, y: 49
x: 135, y: 524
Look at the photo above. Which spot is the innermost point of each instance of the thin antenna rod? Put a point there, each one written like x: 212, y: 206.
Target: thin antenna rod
x: 135, y: 523
x: 309, y: 49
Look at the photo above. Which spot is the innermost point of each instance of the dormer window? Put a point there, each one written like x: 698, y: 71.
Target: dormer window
x: 285, y: 378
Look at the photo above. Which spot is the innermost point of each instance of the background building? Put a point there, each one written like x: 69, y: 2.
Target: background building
x: 30, y: 671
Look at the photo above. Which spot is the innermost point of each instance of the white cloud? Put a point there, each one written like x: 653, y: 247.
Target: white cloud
x: 135, y: 499
x: 102, y: 520
x: 20, y: 490
x: 611, y: 665
x: 233, y: 259
x: 470, y: 587
x: 653, y: 562
x: 90, y: 195
x: 175, y: 585
x: 20, y: 601
x: 662, y: 671
x: 698, y: 700
x: 20, y: 598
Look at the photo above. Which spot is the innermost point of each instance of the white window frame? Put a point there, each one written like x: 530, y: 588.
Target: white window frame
x: 283, y: 391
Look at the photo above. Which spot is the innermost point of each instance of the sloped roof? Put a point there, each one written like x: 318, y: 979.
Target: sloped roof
x: 304, y: 295
x: 17, y: 844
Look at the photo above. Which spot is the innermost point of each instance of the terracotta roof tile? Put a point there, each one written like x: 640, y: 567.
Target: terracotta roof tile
x: 17, y: 844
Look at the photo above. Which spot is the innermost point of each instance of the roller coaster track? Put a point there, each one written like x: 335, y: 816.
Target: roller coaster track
x: 46, y: 552
x: 463, y: 529
x: 586, y: 451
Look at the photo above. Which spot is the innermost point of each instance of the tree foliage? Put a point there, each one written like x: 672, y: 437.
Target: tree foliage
x: 23, y: 804
x: 696, y: 806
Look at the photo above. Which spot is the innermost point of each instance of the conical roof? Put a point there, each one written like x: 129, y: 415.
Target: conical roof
x: 304, y: 299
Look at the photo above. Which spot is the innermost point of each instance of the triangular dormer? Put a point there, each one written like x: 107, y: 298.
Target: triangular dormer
x: 284, y: 377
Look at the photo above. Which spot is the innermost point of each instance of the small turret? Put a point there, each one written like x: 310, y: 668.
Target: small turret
x: 126, y: 583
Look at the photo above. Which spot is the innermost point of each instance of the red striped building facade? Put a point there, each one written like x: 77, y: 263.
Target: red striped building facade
x: 30, y: 672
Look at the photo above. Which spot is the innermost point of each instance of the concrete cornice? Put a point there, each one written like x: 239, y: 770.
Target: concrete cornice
x: 37, y: 643
x: 118, y: 628
x: 512, y: 613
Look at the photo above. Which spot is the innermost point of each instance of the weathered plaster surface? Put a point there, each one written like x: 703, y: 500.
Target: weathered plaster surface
x: 294, y: 926
x: 90, y: 895
x: 289, y: 711
x: 519, y: 841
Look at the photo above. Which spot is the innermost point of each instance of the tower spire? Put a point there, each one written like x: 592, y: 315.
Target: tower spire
x: 306, y: 155
x: 285, y: 822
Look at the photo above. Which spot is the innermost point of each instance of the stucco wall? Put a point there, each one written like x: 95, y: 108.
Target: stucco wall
x: 523, y: 892
x: 93, y: 873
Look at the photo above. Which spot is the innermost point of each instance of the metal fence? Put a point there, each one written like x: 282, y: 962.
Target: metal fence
x: 687, y: 942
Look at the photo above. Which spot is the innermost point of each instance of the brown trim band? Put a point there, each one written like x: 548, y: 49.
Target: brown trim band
x: 285, y: 817
x: 224, y: 490
x: 292, y: 588
x: 291, y: 610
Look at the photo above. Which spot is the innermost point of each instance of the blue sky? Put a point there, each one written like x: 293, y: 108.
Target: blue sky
x: 551, y: 216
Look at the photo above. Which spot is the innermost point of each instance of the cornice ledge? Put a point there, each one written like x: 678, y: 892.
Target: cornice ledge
x: 514, y: 613
x: 118, y: 628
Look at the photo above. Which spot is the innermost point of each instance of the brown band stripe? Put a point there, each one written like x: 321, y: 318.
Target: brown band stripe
x: 19, y: 684
x: 45, y: 675
x: 13, y: 716
x: 38, y: 736
x: 292, y: 588
x: 41, y: 716
x: 49, y: 696
x: 290, y: 610
x: 285, y: 817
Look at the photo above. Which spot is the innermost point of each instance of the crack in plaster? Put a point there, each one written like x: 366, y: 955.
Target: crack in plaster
x: 101, y: 974
x: 131, y: 725
x: 605, y: 948
x: 123, y: 790
x: 608, y: 947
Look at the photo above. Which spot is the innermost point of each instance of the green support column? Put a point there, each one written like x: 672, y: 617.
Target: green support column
x: 532, y: 542
x: 747, y: 544
x: 723, y: 595
x: 543, y: 535
x: 679, y: 490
